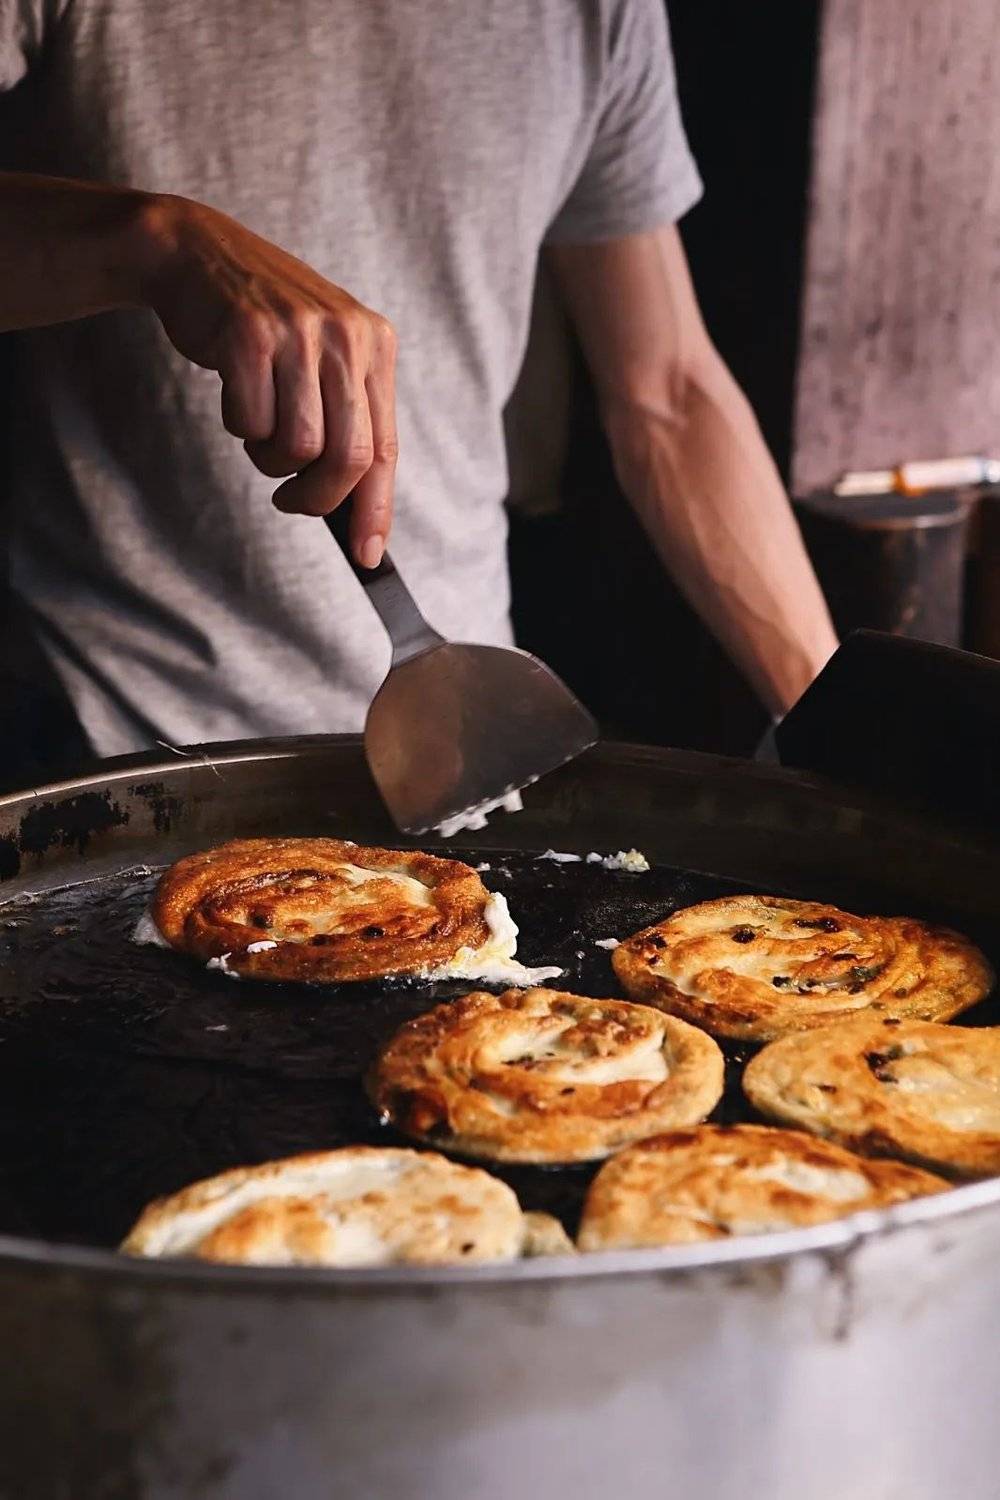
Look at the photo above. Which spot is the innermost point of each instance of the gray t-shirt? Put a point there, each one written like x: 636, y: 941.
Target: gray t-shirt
x: 416, y: 152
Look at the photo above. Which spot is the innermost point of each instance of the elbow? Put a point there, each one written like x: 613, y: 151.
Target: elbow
x: 670, y: 393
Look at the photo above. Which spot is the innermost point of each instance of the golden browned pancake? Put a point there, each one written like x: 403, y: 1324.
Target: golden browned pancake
x: 715, y: 1181
x: 324, y: 910
x: 541, y: 1076
x: 893, y: 1088
x: 357, y: 1207
x: 756, y: 967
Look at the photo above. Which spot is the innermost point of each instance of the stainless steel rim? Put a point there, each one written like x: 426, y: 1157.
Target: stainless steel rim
x: 831, y: 1240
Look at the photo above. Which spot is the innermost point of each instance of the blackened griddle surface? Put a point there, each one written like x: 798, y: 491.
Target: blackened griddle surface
x: 127, y: 1072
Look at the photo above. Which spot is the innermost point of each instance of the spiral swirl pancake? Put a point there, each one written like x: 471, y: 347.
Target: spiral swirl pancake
x: 539, y: 1076
x: 756, y: 967
x: 720, y: 1180
x: 323, y: 910
x: 357, y: 1207
x: 914, y: 1089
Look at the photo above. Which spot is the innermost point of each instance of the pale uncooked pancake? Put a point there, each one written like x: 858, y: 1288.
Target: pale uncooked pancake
x: 326, y: 910
x: 540, y: 1076
x: 914, y: 1089
x: 717, y: 1181
x: 757, y: 967
x: 361, y: 1206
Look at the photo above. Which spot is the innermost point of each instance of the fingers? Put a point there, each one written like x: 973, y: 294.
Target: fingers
x: 248, y: 406
x: 360, y: 448
x: 371, y: 509
x: 345, y: 459
x: 312, y: 394
x: 299, y: 433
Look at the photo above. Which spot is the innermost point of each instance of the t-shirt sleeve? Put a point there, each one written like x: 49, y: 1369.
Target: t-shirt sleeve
x: 23, y: 28
x: 639, y: 173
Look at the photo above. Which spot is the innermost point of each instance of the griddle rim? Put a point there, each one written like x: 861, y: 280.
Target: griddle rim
x: 835, y: 1240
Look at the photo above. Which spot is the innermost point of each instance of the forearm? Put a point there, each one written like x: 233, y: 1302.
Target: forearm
x: 69, y: 249
x: 692, y: 461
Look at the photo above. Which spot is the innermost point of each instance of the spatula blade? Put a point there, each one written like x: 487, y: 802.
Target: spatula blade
x: 461, y: 725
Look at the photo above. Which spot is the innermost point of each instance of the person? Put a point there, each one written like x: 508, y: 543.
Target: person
x: 336, y: 208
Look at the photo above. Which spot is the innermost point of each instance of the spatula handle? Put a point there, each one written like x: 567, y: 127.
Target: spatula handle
x: 408, y: 631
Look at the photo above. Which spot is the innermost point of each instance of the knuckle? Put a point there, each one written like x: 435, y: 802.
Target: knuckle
x: 347, y: 334
x: 240, y: 427
x: 237, y: 419
x: 254, y: 335
x: 269, y: 459
x: 357, y: 456
x: 386, y: 340
x: 304, y: 447
x: 387, y: 449
x: 378, y: 516
x: 302, y: 324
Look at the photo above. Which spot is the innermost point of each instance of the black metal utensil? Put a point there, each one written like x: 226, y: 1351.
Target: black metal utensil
x: 454, y: 728
x: 906, y: 719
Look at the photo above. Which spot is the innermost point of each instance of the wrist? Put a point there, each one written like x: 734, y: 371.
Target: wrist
x: 799, y: 672
x: 151, y: 244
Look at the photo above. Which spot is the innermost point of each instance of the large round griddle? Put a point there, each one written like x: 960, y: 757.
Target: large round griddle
x: 126, y: 1072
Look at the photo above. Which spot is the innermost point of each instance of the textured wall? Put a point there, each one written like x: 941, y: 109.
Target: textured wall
x: 900, y: 353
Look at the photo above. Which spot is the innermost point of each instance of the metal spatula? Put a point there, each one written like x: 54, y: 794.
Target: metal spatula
x: 909, y: 720
x: 455, y: 727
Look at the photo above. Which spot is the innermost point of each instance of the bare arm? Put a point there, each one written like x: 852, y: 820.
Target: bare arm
x: 307, y: 372
x: 690, y: 456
